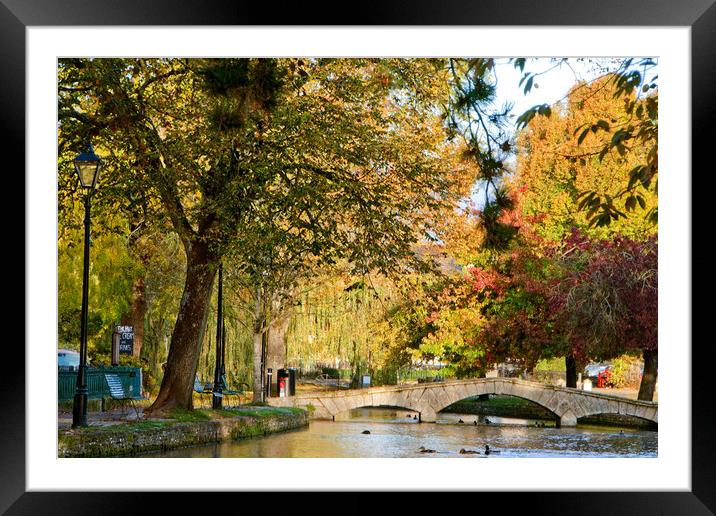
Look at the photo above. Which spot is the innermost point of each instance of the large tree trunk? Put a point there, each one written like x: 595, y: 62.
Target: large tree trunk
x: 257, y: 339
x: 188, y: 334
x: 276, y: 352
x: 571, y: 365
x: 648, y: 379
x: 136, y: 314
x: 258, y: 369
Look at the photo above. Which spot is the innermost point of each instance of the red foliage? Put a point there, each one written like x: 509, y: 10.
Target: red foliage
x: 607, y: 303
x: 486, y: 279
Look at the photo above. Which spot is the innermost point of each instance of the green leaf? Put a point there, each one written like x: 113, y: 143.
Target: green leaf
x: 582, y: 136
x: 603, y: 124
x: 528, y: 85
x: 634, y: 176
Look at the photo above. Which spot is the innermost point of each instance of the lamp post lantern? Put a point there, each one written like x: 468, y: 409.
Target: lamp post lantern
x: 88, y: 166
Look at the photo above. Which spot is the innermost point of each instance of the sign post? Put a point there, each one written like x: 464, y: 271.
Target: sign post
x: 115, y: 348
x: 124, y: 338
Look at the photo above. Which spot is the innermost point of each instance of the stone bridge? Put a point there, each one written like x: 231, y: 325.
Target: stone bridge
x: 428, y: 399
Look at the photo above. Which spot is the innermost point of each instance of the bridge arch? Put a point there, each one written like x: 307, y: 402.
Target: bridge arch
x: 611, y: 419
x: 431, y: 402
x: 539, y: 394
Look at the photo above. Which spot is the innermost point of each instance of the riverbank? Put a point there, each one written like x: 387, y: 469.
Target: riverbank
x: 184, y: 428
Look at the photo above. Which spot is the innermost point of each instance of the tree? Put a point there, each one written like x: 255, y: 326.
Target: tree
x: 633, y: 82
x: 112, y: 273
x: 354, y: 144
x: 607, y: 302
x: 510, y: 246
x: 555, y: 166
x: 483, y: 127
x: 558, y: 160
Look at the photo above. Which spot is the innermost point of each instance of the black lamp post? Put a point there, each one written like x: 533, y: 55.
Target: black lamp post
x: 88, y: 166
x: 217, y: 393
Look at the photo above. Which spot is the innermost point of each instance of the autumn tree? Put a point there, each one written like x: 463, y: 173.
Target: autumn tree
x: 353, y: 144
x: 607, y: 301
x: 555, y: 166
x: 631, y: 135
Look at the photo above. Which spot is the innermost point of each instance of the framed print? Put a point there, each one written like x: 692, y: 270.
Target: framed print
x: 675, y: 475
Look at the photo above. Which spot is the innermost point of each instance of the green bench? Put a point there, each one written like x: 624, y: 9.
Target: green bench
x: 118, y: 392
x: 226, y: 391
x: 237, y: 392
x: 130, y: 377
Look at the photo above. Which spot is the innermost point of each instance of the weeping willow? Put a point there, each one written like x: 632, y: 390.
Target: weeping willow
x: 334, y: 324
x: 238, y: 354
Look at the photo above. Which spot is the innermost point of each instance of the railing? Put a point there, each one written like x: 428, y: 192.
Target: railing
x: 131, y: 378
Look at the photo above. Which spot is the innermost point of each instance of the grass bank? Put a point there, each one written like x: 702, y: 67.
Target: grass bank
x: 181, y: 429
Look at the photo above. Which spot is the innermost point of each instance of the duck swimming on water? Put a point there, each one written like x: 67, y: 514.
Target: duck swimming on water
x: 463, y: 451
x: 460, y: 421
x: 488, y: 451
x: 365, y: 432
x: 422, y: 449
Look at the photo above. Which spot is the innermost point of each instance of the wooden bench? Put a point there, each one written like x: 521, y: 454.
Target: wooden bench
x: 117, y: 392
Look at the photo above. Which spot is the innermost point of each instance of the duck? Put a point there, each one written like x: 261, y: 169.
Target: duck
x: 463, y: 451
x: 460, y: 421
x: 475, y: 422
x: 488, y: 422
x: 488, y: 451
x: 365, y: 432
x: 415, y: 417
x: 422, y: 449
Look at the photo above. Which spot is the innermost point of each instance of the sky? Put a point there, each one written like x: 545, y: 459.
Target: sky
x: 548, y: 88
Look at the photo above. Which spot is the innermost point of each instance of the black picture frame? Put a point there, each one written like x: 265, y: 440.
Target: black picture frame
x: 700, y: 15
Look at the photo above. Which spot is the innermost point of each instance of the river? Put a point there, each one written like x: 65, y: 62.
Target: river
x: 394, y: 433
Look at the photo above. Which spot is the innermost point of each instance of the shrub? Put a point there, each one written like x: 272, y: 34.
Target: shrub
x: 625, y: 372
x: 551, y: 364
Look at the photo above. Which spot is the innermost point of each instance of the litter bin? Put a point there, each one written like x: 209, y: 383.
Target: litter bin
x: 291, y: 381
x: 282, y: 381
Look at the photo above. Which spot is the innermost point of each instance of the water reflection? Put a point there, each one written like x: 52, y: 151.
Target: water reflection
x: 394, y: 433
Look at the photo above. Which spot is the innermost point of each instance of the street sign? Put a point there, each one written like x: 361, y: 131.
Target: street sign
x: 126, y: 339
